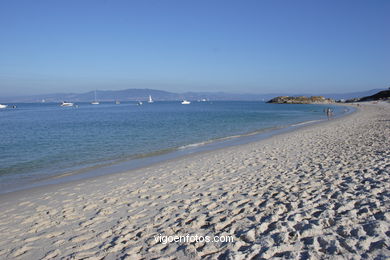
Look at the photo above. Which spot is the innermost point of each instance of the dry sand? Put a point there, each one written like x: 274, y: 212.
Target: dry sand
x: 320, y: 192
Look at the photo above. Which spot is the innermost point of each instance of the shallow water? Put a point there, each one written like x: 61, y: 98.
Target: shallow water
x: 38, y: 141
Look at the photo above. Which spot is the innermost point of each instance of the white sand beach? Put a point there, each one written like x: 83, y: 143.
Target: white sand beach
x: 319, y: 192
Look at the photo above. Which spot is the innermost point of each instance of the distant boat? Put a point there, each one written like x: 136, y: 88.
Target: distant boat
x: 185, y: 102
x: 67, y: 104
x: 203, y: 100
x: 95, y: 102
x: 139, y: 103
x: 3, y: 106
x: 117, y: 102
x: 150, y: 99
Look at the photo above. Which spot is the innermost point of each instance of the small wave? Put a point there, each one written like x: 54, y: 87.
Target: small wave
x: 221, y: 139
x: 193, y: 145
x: 306, y: 122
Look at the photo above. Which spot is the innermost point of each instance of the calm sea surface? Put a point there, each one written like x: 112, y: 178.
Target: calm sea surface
x: 39, y: 141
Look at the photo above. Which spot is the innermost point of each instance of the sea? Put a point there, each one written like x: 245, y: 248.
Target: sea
x: 42, y: 143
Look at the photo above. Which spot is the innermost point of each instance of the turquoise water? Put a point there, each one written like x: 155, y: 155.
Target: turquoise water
x: 38, y: 141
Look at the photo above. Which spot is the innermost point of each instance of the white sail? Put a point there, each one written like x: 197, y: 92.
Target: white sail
x: 95, y: 102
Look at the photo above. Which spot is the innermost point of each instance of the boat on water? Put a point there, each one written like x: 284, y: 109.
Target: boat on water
x: 185, y: 102
x: 117, y: 102
x: 150, y: 99
x: 95, y: 102
x: 3, y: 106
x: 67, y: 104
x: 140, y: 103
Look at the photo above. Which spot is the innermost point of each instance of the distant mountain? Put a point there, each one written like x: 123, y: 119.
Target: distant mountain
x: 160, y: 95
x: 225, y: 96
x: 135, y: 95
x: 351, y: 94
x: 127, y: 94
x: 101, y: 95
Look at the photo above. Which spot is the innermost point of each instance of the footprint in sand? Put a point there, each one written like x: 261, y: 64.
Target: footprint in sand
x: 21, y: 251
x: 52, y: 254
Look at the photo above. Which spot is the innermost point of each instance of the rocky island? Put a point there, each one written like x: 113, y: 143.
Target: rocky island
x: 301, y: 100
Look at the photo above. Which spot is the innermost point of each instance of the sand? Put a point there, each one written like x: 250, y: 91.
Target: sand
x: 320, y: 192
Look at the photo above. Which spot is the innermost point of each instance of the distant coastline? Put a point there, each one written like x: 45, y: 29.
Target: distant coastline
x: 135, y: 94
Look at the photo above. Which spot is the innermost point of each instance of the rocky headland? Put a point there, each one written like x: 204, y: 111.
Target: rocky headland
x: 301, y: 100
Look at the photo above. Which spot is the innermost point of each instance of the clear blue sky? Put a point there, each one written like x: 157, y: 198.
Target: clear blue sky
x: 203, y: 45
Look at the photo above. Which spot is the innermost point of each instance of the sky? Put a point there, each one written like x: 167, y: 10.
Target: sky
x: 241, y: 46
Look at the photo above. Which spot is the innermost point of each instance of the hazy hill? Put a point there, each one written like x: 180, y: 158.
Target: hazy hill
x: 160, y: 95
x: 135, y: 95
x: 102, y: 95
x: 351, y: 94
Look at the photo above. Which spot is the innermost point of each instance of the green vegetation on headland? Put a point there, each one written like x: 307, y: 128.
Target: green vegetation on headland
x: 381, y: 95
x: 301, y: 100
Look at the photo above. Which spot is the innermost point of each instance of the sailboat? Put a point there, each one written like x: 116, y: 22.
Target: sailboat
x: 95, y: 102
x: 150, y: 99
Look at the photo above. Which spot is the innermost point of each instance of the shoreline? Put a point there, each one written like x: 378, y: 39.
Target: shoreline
x: 321, y: 191
x: 153, y: 158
